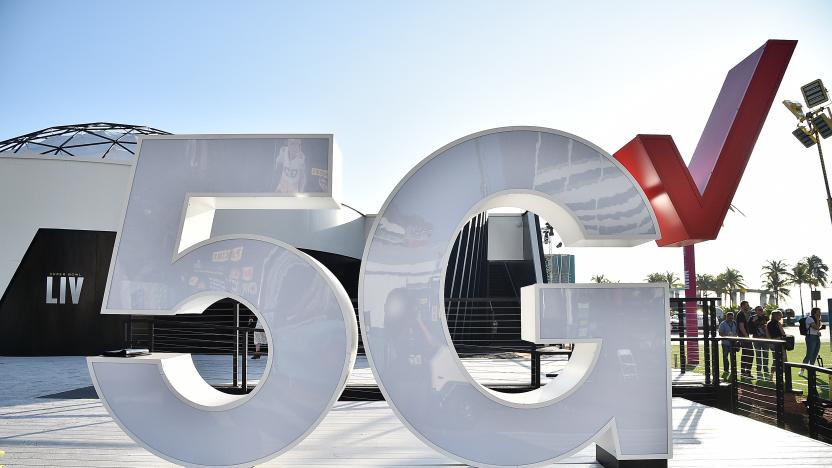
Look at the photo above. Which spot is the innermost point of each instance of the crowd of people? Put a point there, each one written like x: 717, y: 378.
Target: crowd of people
x: 748, y: 323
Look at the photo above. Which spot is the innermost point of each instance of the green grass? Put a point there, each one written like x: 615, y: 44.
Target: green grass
x: 796, y: 355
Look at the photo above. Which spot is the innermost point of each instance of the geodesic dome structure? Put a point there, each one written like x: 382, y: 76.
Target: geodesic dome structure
x: 91, y: 140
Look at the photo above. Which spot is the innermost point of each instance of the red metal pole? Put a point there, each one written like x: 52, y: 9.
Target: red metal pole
x: 691, y: 320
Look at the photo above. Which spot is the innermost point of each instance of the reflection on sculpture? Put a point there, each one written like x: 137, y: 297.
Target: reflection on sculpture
x: 591, y: 200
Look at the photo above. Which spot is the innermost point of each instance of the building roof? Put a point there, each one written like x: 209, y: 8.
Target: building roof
x: 89, y: 140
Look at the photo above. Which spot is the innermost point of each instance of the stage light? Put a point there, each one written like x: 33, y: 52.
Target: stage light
x: 796, y: 108
x: 805, y: 136
x: 818, y: 123
x: 814, y: 93
x: 822, y: 124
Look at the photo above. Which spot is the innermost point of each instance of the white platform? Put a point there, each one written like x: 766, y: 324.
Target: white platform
x: 79, y: 433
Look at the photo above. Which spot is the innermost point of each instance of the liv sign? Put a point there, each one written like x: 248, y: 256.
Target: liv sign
x: 75, y: 283
x: 621, y: 332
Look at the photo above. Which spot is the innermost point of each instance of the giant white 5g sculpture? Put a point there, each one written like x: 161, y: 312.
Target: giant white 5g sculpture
x: 615, y: 390
x: 162, y: 402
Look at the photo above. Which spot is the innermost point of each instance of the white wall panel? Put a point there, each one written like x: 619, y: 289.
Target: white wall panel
x: 341, y: 231
x: 46, y: 192
x: 505, y: 237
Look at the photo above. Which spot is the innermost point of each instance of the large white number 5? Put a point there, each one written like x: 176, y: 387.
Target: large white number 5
x: 166, y: 263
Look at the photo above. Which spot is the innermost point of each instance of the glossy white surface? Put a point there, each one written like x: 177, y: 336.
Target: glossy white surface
x: 161, y: 401
x: 177, y: 183
x: 342, y: 231
x: 622, y: 341
x: 590, y: 200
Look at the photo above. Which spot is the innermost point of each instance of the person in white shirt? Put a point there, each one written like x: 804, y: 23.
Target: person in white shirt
x: 813, y: 328
x: 292, y: 164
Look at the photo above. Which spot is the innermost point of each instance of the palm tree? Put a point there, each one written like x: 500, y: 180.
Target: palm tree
x: 667, y: 277
x: 672, y: 279
x: 656, y: 278
x: 705, y: 284
x: 733, y: 282
x: 775, y: 278
x: 800, y: 275
x: 818, y: 271
x: 601, y: 279
x: 720, y: 286
x: 777, y: 288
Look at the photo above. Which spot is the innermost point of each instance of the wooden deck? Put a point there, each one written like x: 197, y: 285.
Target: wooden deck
x: 79, y: 432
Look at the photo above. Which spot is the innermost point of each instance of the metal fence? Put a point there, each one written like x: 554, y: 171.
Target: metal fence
x: 220, y: 341
x: 757, y: 382
x: 691, y: 343
x: 814, y: 412
x: 482, y: 329
x: 482, y: 326
x: 758, y: 379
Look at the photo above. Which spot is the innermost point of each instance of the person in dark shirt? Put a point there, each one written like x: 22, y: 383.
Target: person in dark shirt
x: 775, y: 326
x: 727, y: 329
x: 776, y: 331
x: 742, y: 332
x: 757, y: 328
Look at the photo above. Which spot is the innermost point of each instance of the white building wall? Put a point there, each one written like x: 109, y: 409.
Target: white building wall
x: 47, y: 192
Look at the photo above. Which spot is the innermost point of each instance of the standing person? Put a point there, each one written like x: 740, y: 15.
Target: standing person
x: 292, y: 163
x: 813, y: 328
x: 776, y: 331
x: 727, y: 328
x: 757, y: 328
x: 259, y: 337
x: 742, y: 332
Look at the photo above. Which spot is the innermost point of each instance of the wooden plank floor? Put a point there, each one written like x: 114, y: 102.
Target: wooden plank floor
x: 80, y: 433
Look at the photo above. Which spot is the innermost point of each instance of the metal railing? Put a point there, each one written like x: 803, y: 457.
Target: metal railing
x: 490, y: 328
x: 480, y: 326
x: 687, y: 337
x: 758, y: 388
x: 227, y: 331
x: 818, y: 409
x: 758, y: 385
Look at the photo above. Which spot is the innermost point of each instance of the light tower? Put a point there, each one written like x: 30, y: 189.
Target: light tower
x: 813, y: 124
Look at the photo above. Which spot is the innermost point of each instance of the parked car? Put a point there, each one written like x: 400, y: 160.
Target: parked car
x: 674, y: 320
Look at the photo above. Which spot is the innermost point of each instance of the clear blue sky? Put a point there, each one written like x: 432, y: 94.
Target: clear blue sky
x: 394, y: 81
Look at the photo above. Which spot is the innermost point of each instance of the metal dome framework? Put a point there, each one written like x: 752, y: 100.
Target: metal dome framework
x: 91, y: 140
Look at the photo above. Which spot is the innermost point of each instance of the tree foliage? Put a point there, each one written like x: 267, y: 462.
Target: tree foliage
x: 667, y: 277
x: 601, y: 279
x: 730, y: 282
x: 776, y: 278
x: 706, y: 283
x: 776, y: 275
x: 799, y: 276
x: 818, y: 271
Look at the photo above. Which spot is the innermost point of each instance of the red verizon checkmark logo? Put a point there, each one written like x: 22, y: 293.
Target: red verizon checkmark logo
x: 691, y: 202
